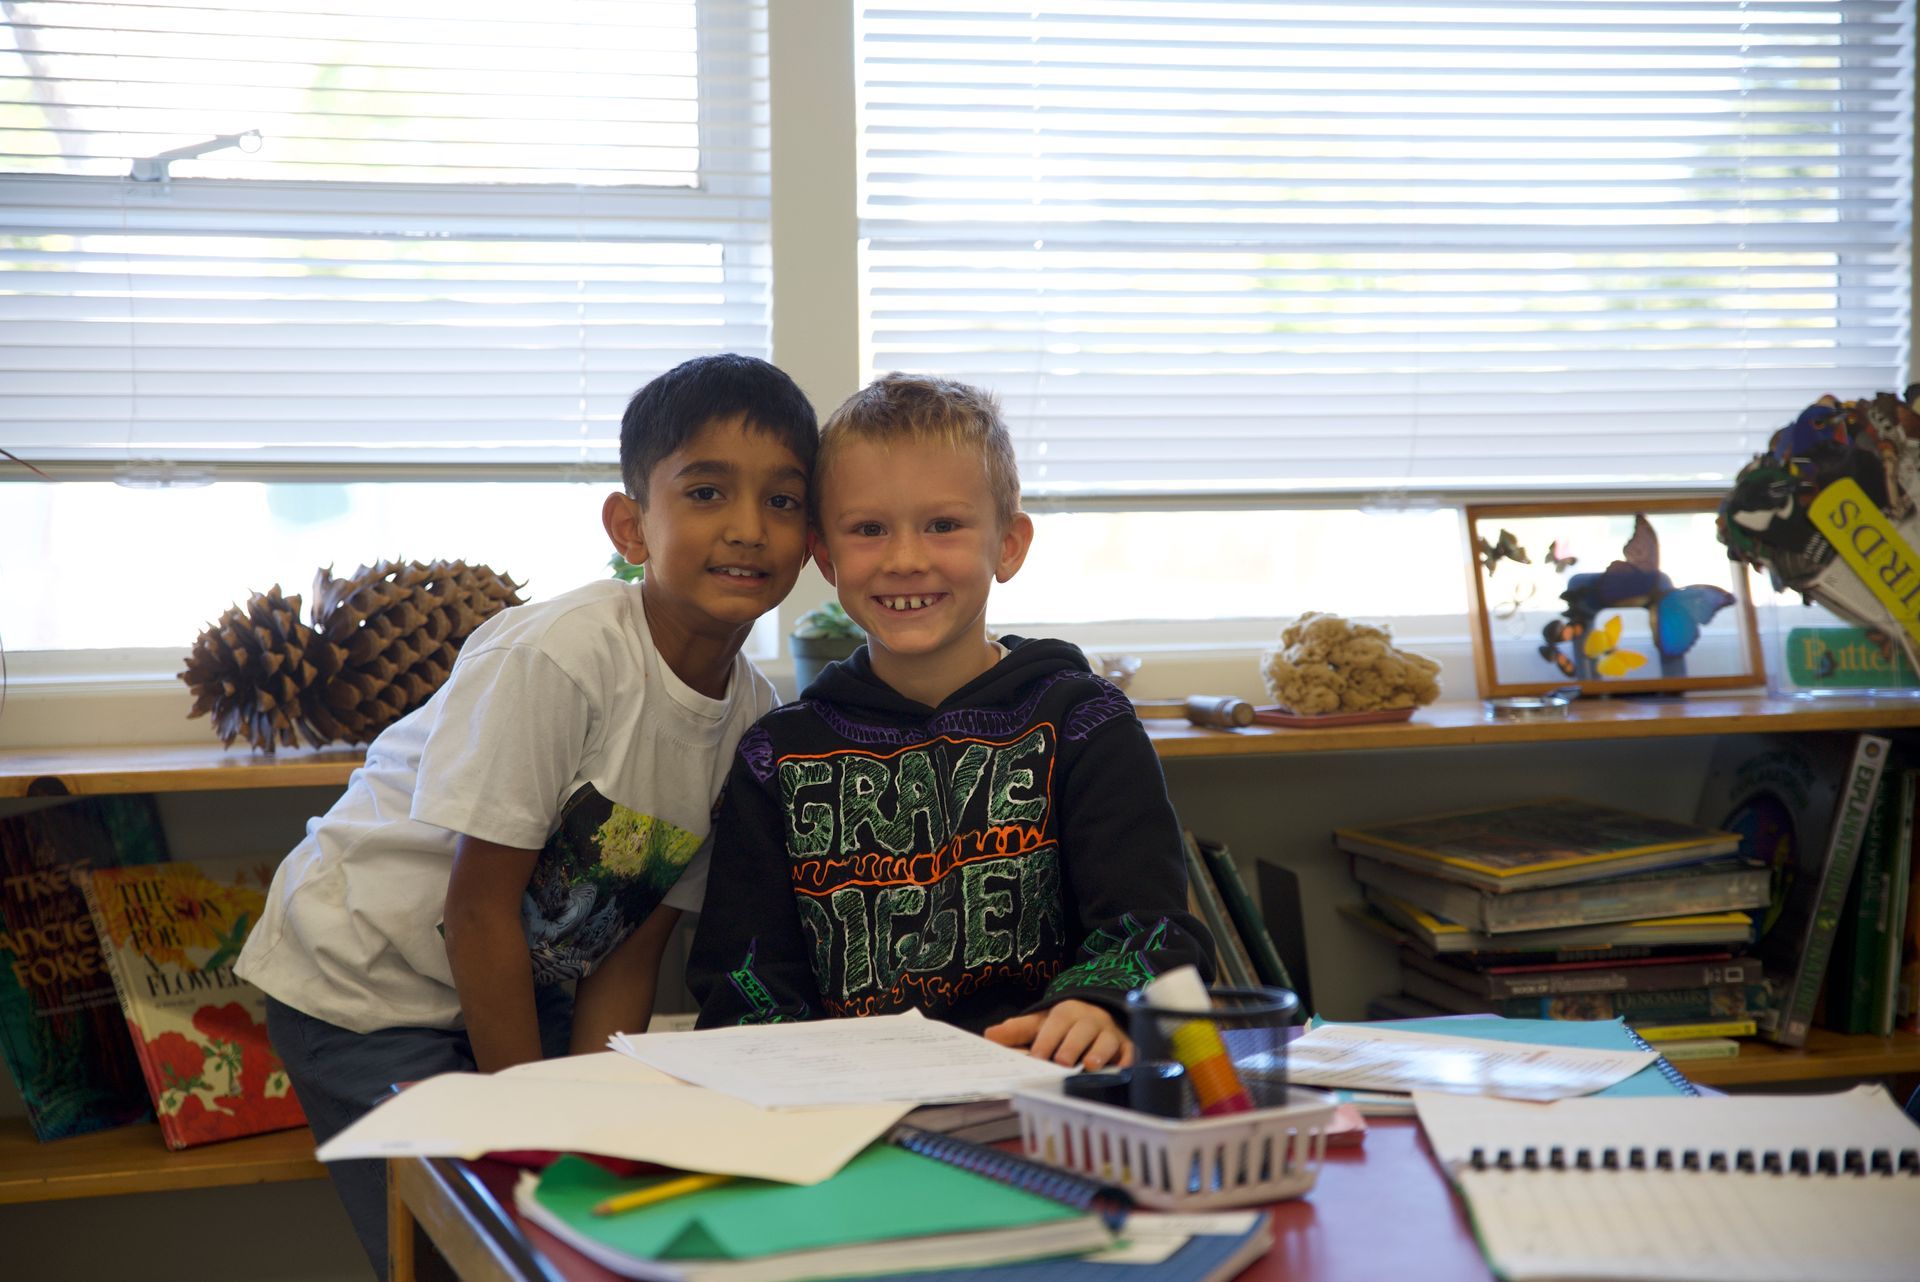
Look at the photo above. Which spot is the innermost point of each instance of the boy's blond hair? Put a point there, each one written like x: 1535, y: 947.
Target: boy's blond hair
x: 915, y: 407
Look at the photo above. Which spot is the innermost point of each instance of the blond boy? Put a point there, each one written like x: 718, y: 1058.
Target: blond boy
x: 974, y: 828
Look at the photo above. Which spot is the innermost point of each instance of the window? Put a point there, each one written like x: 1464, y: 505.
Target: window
x: 283, y: 248
x: 1379, y: 247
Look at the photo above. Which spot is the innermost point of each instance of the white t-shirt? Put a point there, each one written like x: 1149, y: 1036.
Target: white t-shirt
x: 560, y: 729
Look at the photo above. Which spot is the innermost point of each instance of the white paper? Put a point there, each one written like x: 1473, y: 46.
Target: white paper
x: 1864, y: 1118
x: 842, y: 1061
x: 1652, y: 1226
x: 468, y: 1114
x: 603, y: 1066
x: 1383, y: 1059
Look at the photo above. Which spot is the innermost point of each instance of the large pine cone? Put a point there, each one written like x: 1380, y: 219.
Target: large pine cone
x: 255, y: 668
x: 398, y: 626
x: 381, y: 642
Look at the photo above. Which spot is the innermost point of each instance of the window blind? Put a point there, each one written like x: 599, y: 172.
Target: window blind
x: 1387, y: 245
x: 344, y: 235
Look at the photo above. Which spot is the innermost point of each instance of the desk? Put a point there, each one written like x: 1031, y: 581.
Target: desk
x: 1381, y: 1210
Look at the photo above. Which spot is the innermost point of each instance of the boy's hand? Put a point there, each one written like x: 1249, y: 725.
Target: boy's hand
x: 1072, y: 1032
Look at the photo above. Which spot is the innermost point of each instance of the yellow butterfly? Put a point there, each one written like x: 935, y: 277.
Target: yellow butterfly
x: 1602, y: 645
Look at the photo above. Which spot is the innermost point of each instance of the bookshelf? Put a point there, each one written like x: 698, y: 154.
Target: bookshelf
x: 133, y: 1160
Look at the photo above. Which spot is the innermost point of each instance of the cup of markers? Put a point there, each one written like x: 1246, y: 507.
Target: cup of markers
x: 1207, y: 1053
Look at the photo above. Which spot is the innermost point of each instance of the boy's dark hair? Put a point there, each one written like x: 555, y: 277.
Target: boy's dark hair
x: 672, y: 408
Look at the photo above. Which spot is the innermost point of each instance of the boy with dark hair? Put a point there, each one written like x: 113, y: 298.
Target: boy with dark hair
x: 543, y: 817
x: 974, y: 828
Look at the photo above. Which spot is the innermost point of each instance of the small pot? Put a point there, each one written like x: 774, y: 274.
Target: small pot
x: 812, y: 654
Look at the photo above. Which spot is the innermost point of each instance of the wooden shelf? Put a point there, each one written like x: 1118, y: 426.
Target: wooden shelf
x: 57, y: 772
x: 131, y: 1159
x: 53, y: 772
x: 1825, y: 1055
x: 1464, y: 725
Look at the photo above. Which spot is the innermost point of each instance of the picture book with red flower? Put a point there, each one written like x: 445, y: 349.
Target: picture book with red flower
x: 171, y: 933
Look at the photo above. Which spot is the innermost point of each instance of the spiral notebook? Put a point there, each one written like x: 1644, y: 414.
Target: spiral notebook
x: 1755, y: 1188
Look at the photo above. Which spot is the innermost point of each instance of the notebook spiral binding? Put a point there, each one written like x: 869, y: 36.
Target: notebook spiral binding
x: 1800, y: 1161
x: 1662, y: 1064
x: 1066, y: 1187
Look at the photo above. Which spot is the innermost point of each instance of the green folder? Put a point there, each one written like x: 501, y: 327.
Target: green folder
x: 884, y: 1193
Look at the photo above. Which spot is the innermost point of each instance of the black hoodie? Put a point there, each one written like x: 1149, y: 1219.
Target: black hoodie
x: 1009, y: 849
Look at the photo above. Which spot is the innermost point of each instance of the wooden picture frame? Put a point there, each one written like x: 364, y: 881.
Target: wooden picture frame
x: 1583, y: 593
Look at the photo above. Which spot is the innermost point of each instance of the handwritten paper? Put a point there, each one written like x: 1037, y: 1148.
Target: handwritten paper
x: 468, y: 1114
x: 1383, y: 1059
x: 842, y: 1061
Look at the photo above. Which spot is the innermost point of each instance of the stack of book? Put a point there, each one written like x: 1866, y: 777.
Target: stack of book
x: 1566, y: 909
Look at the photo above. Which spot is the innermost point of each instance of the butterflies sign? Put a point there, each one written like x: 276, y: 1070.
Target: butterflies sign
x: 1660, y: 609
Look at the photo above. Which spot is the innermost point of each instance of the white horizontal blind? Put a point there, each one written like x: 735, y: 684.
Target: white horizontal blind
x: 1389, y: 244
x: 417, y: 234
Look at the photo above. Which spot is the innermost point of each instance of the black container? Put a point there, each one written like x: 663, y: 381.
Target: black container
x: 1176, y: 1058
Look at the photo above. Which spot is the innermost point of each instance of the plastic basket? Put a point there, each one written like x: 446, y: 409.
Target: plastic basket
x: 1238, y: 1159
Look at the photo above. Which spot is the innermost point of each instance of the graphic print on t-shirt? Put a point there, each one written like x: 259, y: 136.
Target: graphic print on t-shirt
x: 604, y: 870
x: 927, y: 872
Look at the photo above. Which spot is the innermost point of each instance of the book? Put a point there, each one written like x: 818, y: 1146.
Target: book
x: 1801, y: 805
x: 1436, y: 935
x: 1553, y: 842
x: 1660, y: 1005
x: 1906, y: 1007
x: 889, y: 1209
x: 1217, y: 1248
x: 1280, y: 910
x: 1770, y: 1188
x: 1237, y: 965
x: 1717, y: 885
x: 1682, y: 1049
x: 1899, y: 893
x: 61, y: 1031
x: 171, y: 933
x: 1268, y: 966
x: 1554, y: 979
x: 1860, y: 941
x: 1660, y: 1034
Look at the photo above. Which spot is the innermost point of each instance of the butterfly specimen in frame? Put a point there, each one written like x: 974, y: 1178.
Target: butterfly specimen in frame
x: 1553, y: 635
x: 1676, y: 614
x: 1559, y: 558
x: 1506, y: 548
x: 1603, y: 647
x: 1521, y: 594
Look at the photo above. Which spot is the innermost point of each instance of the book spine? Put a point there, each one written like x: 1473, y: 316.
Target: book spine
x: 1854, y: 970
x: 1899, y: 883
x: 1233, y: 958
x: 116, y: 970
x: 1670, y: 1005
x: 1626, y: 979
x: 1660, y: 1032
x: 1628, y: 900
x: 1907, y: 1002
x: 1851, y: 811
x: 1246, y: 915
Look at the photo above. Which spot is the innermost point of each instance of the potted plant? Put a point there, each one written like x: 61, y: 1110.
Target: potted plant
x: 820, y: 636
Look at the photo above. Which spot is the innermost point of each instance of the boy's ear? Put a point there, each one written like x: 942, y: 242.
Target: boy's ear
x: 620, y: 517
x: 1014, y: 542
x: 817, y: 549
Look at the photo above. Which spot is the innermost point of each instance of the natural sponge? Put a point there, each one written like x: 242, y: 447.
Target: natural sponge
x: 1326, y: 664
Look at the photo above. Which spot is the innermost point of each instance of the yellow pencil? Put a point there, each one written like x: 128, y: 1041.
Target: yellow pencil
x: 658, y: 1193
